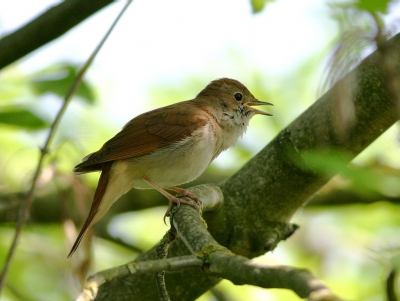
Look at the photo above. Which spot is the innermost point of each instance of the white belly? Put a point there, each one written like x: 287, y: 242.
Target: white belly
x: 180, y: 163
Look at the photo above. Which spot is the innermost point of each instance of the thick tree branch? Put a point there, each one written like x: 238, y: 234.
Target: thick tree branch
x: 47, y: 27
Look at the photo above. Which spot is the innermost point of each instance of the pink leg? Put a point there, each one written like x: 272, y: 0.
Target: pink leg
x: 173, y: 199
x: 185, y: 192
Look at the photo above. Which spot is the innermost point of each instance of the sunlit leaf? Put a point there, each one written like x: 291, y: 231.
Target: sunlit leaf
x: 23, y: 118
x: 363, y: 178
x: 58, y: 80
x: 326, y: 162
x: 258, y: 5
x: 373, y: 5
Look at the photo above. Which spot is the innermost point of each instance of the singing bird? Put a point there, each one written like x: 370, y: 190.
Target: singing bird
x: 169, y: 146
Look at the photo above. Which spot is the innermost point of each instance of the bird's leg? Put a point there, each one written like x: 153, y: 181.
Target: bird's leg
x: 173, y: 199
x: 185, y: 192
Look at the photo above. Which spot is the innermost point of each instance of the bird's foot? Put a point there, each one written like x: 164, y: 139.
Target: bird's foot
x: 184, y: 196
x: 186, y: 193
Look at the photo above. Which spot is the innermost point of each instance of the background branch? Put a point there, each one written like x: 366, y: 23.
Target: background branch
x: 50, y: 25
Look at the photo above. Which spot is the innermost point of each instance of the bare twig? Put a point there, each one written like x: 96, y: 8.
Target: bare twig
x: 390, y: 286
x: 23, y: 216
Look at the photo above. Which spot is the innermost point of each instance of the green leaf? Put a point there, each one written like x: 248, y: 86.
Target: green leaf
x: 326, y: 162
x: 258, y: 5
x: 363, y: 179
x: 58, y: 80
x: 373, y: 5
x: 23, y: 118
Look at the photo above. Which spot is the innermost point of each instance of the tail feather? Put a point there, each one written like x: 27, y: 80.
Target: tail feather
x: 98, y: 197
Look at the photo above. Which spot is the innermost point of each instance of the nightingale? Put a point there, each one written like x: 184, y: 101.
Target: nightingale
x: 169, y: 146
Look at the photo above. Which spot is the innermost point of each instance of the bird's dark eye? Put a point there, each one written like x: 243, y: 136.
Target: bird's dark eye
x: 238, y: 96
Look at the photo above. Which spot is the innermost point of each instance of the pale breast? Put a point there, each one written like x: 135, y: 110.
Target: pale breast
x: 179, y: 163
x: 232, y: 132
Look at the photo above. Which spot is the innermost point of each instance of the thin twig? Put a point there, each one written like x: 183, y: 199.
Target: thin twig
x: 24, y: 212
x: 390, y: 286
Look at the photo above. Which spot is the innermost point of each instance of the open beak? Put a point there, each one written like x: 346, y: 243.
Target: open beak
x: 258, y: 103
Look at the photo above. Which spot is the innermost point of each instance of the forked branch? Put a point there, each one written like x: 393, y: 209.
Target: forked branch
x: 216, y: 261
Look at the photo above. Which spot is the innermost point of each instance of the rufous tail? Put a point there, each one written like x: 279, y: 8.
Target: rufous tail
x: 98, y: 197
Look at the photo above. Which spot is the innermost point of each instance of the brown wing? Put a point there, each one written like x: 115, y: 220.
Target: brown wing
x: 147, y: 133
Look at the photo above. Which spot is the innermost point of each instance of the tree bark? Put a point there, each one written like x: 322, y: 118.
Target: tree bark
x: 260, y: 199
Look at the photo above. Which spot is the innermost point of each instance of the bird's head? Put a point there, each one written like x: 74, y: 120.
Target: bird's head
x: 231, y: 102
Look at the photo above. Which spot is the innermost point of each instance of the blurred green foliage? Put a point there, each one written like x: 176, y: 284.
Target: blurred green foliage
x: 365, y: 179
x: 374, y: 6
x: 350, y: 247
x: 259, y: 5
x: 28, y: 104
x: 22, y: 118
x: 58, y: 80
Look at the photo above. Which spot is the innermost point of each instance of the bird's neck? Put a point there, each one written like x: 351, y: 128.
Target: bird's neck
x: 232, y: 125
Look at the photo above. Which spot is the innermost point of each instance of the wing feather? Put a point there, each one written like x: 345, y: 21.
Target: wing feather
x: 146, y: 133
